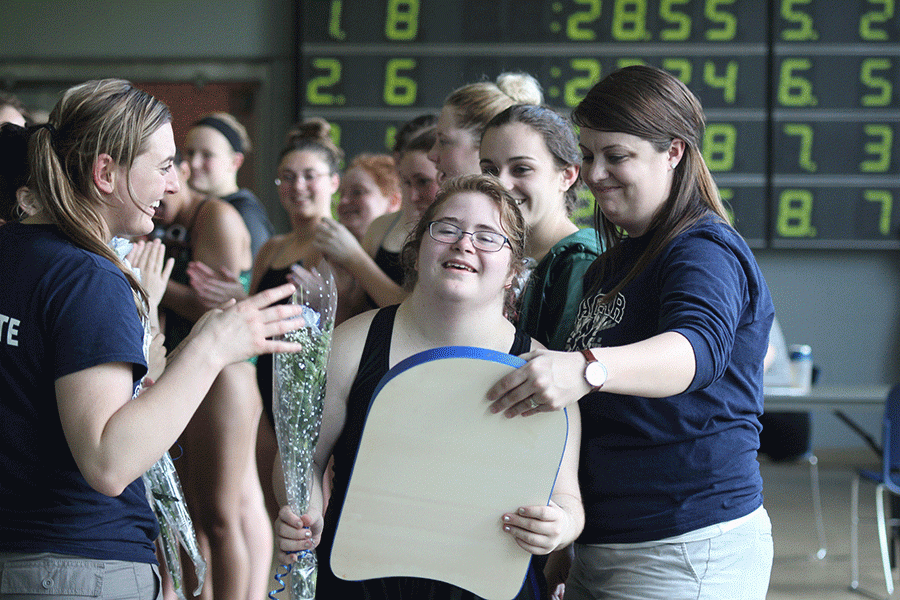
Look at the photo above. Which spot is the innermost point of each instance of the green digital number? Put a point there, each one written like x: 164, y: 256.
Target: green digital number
x: 719, y: 143
x: 886, y: 200
x: 794, y: 90
x: 402, y: 22
x: 577, y: 87
x: 390, y: 136
x: 630, y: 21
x: 682, y: 22
x: 803, y: 30
x: 805, y: 133
x: 726, y: 82
x: 883, y: 84
x: 628, y: 62
x: 727, y: 21
x: 727, y: 195
x: 315, y: 93
x: 577, y: 20
x: 680, y: 68
x: 334, y: 21
x: 399, y: 90
x: 869, y: 21
x: 335, y: 134
x: 795, y: 214
x: 879, y: 149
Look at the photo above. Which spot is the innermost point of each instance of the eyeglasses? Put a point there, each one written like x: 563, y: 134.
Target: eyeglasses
x: 447, y: 233
x: 289, y: 179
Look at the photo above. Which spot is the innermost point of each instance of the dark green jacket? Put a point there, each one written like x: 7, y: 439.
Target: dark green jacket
x: 555, y: 289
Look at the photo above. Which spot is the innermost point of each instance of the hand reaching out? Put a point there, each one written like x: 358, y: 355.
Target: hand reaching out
x: 336, y: 242
x: 240, y: 330
x: 215, y: 287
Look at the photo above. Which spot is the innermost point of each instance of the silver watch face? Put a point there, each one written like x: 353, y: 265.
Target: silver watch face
x: 595, y: 374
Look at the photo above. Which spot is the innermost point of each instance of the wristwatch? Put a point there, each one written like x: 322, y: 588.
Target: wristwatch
x: 595, y: 371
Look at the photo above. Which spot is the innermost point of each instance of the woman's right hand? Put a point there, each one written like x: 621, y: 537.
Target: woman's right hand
x: 239, y: 330
x: 295, y: 534
x: 215, y: 287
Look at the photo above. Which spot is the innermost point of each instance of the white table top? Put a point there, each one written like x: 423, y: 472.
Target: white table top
x: 830, y: 396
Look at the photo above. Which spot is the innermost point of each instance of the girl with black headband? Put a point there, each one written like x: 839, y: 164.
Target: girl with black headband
x: 215, y: 148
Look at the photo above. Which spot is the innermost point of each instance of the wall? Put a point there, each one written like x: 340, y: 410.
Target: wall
x: 842, y: 303
x: 61, y: 42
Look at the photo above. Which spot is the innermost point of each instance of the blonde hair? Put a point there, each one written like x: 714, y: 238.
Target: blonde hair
x: 107, y: 116
x: 234, y: 125
x: 477, y: 103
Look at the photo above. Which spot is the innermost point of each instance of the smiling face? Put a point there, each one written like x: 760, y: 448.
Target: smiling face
x: 418, y: 182
x: 139, y: 190
x: 459, y: 270
x: 172, y: 204
x: 629, y: 178
x: 517, y: 155
x: 306, y: 185
x: 361, y: 201
x: 455, y: 151
x: 214, y: 163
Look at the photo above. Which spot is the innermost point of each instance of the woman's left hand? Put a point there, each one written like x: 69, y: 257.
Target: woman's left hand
x: 538, y: 529
x: 549, y: 381
x: 336, y: 242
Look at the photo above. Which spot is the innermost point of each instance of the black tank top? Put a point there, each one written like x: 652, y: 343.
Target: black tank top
x: 373, y: 366
x: 270, y: 279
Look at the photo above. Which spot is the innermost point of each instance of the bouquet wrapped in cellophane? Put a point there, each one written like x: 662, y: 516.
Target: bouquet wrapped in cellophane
x: 299, y: 392
x: 175, y: 526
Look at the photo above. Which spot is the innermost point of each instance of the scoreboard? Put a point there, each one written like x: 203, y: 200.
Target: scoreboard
x: 801, y: 96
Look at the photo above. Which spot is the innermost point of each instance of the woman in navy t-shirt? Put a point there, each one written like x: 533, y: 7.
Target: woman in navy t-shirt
x: 74, y: 517
x: 665, y: 359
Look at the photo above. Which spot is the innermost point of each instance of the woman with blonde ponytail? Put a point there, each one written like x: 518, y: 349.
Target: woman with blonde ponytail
x: 75, y: 437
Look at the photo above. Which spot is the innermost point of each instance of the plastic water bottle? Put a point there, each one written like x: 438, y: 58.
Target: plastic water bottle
x: 802, y: 366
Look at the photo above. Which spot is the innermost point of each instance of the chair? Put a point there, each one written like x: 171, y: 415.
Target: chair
x: 885, y: 480
x: 787, y: 438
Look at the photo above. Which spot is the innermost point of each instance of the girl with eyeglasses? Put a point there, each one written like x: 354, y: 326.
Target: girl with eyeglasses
x: 461, y: 259
x: 307, y: 178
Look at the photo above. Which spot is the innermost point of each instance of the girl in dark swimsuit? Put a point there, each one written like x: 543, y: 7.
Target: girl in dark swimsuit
x: 458, y: 292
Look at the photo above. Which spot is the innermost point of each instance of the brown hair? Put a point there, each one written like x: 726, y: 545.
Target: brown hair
x: 655, y: 106
x: 475, y: 104
x: 558, y: 136
x: 382, y: 169
x: 314, y: 135
x: 108, y: 116
x: 511, y: 220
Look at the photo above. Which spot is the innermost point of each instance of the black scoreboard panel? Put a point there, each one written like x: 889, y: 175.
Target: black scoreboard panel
x: 801, y: 96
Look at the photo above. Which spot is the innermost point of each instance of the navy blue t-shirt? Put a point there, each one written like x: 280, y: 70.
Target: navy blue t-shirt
x: 653, y: 468
x: 62, y: 310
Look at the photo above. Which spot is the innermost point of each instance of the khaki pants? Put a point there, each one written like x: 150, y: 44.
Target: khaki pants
x: 56, y: 576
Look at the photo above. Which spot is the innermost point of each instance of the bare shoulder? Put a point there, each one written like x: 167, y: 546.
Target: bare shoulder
x: 376, y: 231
